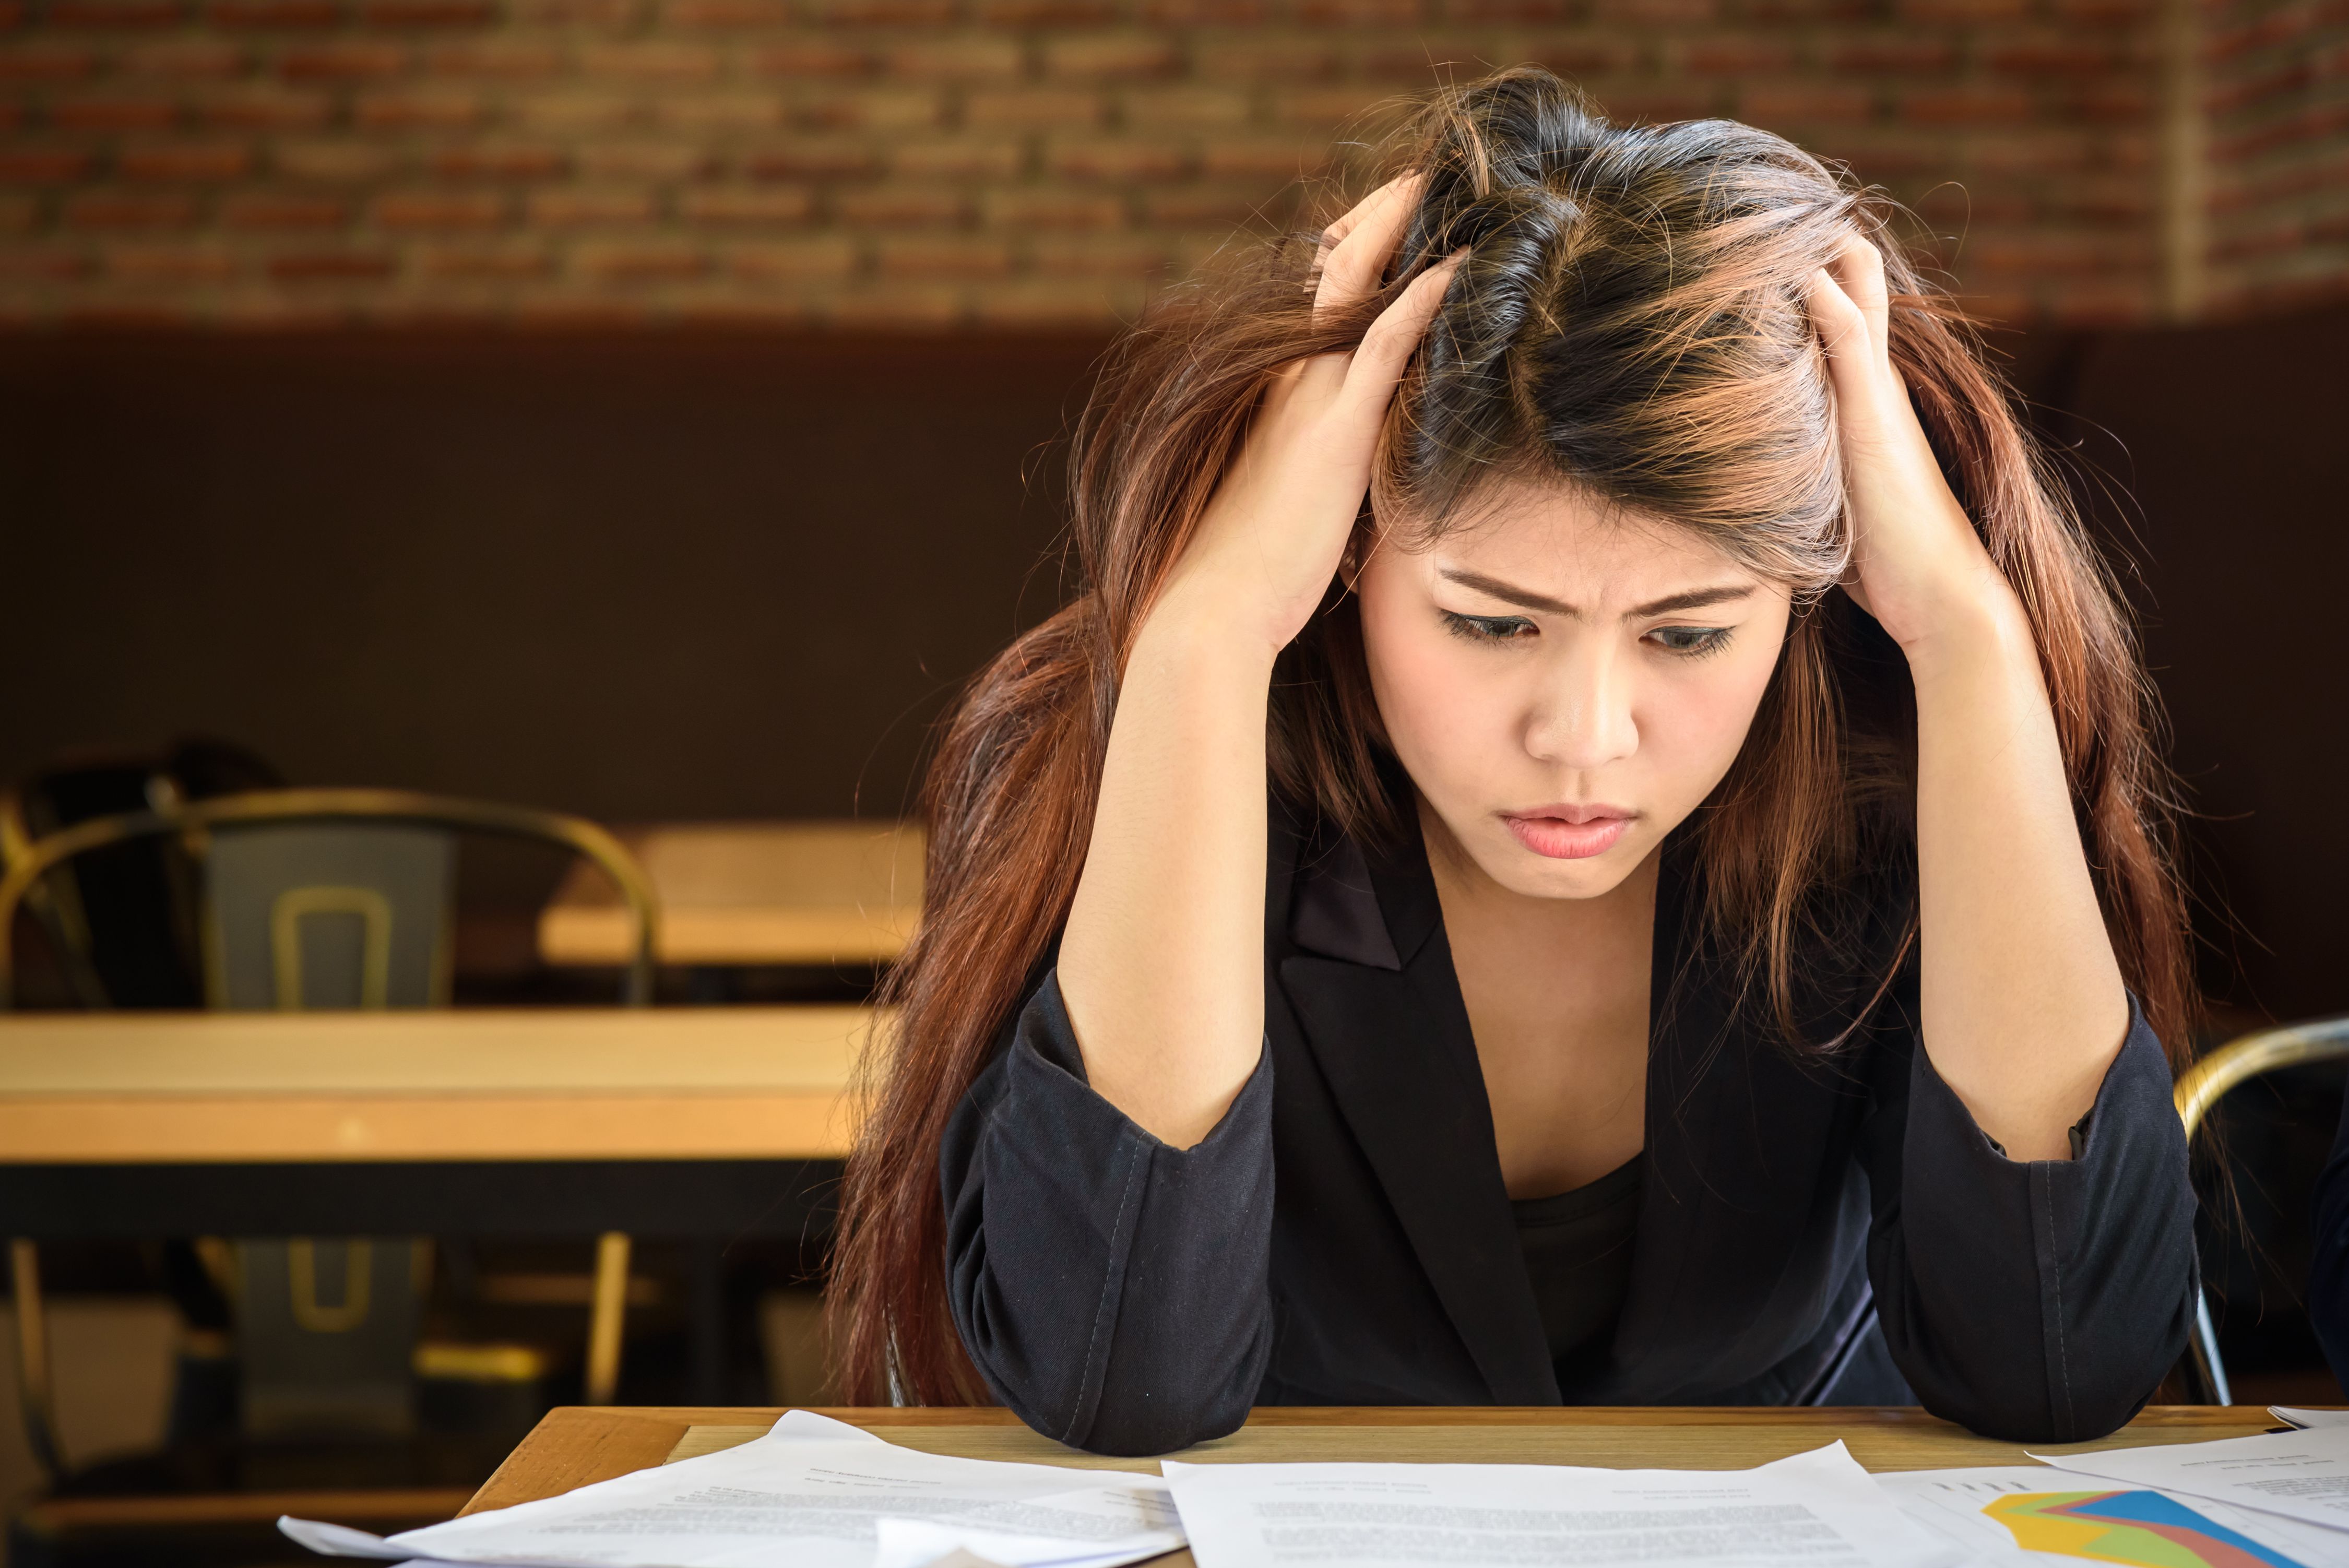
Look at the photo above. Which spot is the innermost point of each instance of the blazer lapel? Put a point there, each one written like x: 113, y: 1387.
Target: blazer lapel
x: 1380, y: 1006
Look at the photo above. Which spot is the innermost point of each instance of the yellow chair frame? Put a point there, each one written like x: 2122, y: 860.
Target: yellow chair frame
x: 2199, y: 1088
x: 28, y: 863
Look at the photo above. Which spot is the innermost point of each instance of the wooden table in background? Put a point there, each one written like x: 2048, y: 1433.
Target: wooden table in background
x: 751, y: 893
x: 573, y: 1447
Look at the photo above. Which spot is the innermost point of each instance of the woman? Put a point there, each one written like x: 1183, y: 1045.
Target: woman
x: 1663, y: 905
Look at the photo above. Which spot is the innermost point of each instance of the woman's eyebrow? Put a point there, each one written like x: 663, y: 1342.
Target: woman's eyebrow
x: 1525, y: 598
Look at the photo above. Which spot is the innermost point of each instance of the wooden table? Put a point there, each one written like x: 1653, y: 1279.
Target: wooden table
x: 573, y: 1447
x: 810, y: 893
x: 695, y: 1083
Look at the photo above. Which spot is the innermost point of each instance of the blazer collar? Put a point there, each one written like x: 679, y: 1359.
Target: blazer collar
x: 1735, y: 1130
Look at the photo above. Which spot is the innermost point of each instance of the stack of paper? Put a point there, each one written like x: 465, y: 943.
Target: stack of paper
x: 811, y: 1493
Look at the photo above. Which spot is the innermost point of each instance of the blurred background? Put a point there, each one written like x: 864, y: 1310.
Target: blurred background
x: 649, y: 411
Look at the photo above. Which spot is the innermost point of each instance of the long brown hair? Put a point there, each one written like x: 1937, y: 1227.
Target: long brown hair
x: 1630, y: 322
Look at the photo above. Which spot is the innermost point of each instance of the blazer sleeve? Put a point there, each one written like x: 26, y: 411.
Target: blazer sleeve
x: 1112, y: 1290
x: 2328, y: 1275
x: 2038, y: 1301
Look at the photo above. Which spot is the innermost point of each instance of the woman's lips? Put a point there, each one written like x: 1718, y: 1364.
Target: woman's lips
x: 1570, y: 832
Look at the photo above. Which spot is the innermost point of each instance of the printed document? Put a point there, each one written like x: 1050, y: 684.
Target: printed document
x: 2035, y: 1516
x: 2302, y: 1475
x: 1818, y: 1509
x: 814, y: 1493
x: 2291, y: 1416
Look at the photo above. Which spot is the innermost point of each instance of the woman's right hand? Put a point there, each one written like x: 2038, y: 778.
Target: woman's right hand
x: 1274, y: 532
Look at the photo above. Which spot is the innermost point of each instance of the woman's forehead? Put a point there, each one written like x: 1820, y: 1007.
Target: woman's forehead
x: 1567, y: 544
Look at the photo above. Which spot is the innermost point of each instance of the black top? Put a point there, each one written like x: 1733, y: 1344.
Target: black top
x: 2328, y: 1273
x: 1343, y: 1237
x: 1578, y: 1247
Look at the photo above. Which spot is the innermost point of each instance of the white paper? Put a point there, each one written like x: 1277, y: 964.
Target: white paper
x: 1954, y: 1502
x: 2295, y: 1416
x: 811, y: 1493
x: 2302, y: 1475
x: 1819, y: 1510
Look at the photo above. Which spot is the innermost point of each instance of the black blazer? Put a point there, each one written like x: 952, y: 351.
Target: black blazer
x: 1343, y: 1237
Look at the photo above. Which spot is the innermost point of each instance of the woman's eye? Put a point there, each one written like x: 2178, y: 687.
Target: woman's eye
x: 1691, y: 639
x: 1487, y: 628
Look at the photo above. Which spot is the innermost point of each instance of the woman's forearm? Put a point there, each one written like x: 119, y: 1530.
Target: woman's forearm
x: 2022, y: 998
x: 1161, y: 962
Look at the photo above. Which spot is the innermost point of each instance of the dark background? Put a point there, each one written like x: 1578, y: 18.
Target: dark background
x: 669, y: 576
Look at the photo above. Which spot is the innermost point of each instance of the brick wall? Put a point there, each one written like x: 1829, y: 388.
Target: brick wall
x: 2276, y: 89
x: 931, y: 162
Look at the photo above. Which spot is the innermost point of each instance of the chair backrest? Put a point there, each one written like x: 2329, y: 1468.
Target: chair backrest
x: 2200, y: 1086
x: 328, y: 914
x: 207, y: 824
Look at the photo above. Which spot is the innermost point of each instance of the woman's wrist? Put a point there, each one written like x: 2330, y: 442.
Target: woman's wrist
x: 1199, y: 621
x: 1977, y: 622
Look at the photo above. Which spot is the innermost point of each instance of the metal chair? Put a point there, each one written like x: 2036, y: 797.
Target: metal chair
x: 281, y: 870
x: 2199, y: 1088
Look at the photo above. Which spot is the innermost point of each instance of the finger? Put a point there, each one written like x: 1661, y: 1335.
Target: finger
x: 1841, y: 325
x: 1388, y: 346
x: 1351, y: 268
x: 1337, y: 232
x: 1858, y: 268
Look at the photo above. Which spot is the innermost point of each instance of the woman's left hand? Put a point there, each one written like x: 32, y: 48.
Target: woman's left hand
x: 1917, y: 562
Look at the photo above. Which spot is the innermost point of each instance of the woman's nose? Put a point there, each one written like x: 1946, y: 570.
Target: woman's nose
x: 1583, y: 718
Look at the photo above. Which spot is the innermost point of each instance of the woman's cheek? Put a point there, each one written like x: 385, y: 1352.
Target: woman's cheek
x: 1434, y: 706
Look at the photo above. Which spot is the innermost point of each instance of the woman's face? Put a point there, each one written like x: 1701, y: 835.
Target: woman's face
x: 1564, y: 684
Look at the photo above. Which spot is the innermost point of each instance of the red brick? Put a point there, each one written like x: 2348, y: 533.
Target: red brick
x: 264, y: 108
x: 192, y: 59
x: 1266, y: 57
x: 611, y: 14
x: 1045, y: 13
x: 170, y: 264
x: 1893, y: 57
x: 500, y: 160
x: 427, y: 13
x: 342, y: 62
x: 755, y: 205
x: 129, y: 210
x: 1204, y: 13
x: 114, y: 111
x: 719, y: 111
x: 43, y: 265
x: 45, y: 63
x: 2103, y: 13
x: 407, y: 209
x: 572, y: 111
x: 422, y: 108
x: 1737, y: 57
x: 334, y: 162
x: 1038, y: 108
x: 1572, y: 56
x: 1654, y: 13
x: 1026, y: 210
x: 198, y: 161
x: 805, y: 157
x: 1359, y: 13
x: 1125, y: 162
x: 1658, y: 104
x: 810, y: 57
x: 792, y: 260
x: 930, y: 206
x: 868, y: 109
x: 641, y: 261
x: 1419, y: 63
x: 1278, y: 158
x: 1056, y: 305
x: 885, y: 12
x: 497, y: 58
x: 634, y: 158
x: 1208, y: 108
x: 1527, y: 13
x: 955, y: 59
x: 12, y: 14
x: 960, y: 158
x: 1804, y: 103
x: 2054, y: 56
x: 284, y: 209
x: 1324, y: 108
x: 340, y: 264
x: 1966, y: 106
x: 485, y: 263
x: 899, y: 306
x: 114, y: 14
x: 2111, y: 103
x: 1968, y: 12
x: 1094, y: 256
x: 944, y: 258
x: 726, y: 14
x: 1221, y: 205
x: 19, y: 214
x: 1113, y: 57
x: 273, y: 13
x: 650, y: 62
x: 590, y: 209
